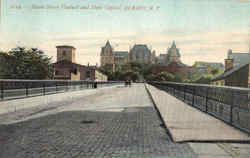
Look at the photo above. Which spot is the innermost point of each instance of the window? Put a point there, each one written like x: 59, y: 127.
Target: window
x: 64, y: 53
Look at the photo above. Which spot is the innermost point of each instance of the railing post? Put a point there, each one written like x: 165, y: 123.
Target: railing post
x: 67, y: 88
x: 207, y: 99
x: 231, y: 108
x: 56, y: 87
x: 2, y: 90
x: 27, y: 89
x: 184, y: 91
x: 193, y: 96
x: 44, y: 89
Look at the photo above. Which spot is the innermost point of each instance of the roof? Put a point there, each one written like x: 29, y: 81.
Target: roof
x: 65, y: 46
x: 239, y: 58
x: 141, y: 47
x: 206, y: 64
x: 107, y: 45
x: 173, y: 51
x: 121, y: 53
x: 227, y: 73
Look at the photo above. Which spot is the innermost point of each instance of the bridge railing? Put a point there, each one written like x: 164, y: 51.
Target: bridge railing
x: 230, y: 104
x: 13, y: 89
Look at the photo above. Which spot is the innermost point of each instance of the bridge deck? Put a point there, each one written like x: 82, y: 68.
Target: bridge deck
x: 108, y: 122
x: 104, y: 123
x: 186, y: 123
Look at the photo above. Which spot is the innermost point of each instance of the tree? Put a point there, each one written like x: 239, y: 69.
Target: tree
x: 23, y: 63
x: 165, y: 76
x: 203, y: 80
x: 215, y: 71
x: 178, y: 77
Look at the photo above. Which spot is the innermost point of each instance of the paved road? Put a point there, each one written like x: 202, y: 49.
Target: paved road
x: 113, y: 122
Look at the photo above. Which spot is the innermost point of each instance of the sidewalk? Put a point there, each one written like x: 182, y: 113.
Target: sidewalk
x: 186, y: 123
x: 42, y: 102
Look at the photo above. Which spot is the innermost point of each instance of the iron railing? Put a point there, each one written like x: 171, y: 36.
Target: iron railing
x: 13, y: 89
x: 230, y: 104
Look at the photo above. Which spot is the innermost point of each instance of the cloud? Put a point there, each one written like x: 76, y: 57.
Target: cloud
x: 200, y: 45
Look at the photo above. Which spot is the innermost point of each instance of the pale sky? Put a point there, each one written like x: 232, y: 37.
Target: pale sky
x: 204, y: 30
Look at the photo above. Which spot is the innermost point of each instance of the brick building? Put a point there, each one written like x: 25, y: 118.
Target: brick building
x: 171, y: 62
x: 66, y: 67
x: 237, y: 71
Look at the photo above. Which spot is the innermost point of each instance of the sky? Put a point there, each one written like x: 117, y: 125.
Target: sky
x: 204, y: 30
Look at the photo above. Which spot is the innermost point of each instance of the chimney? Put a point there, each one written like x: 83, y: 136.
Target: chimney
x: 249, y: 48
x: 228, y: 64
x: 229, y: 53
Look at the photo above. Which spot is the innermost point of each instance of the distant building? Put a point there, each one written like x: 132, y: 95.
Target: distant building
x: 66, y: 67
x: 109, y: 56
x: 171, y: 62
x: 141, y: 53
x: 173, y: 68
x: 200, y: 67
x: 237, y: 71
x: 65, y: 52
x: 173, y: 55
x: 161, y: 59
x: 239, y: 58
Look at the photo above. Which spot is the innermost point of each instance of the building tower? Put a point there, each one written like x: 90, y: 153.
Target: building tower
x: 106, y: 54
x: 173, y: 54
x: 65, y: 52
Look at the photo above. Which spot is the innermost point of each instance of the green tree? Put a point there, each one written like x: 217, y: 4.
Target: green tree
x: 23, y: 63
x: 203, y: 80
x: 214, y: 71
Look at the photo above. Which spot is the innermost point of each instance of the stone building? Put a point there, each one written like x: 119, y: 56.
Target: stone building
x: 109, y: 56
x: 237, y: 71
x: 172, y: 55
x: 141, y: 53
x: 66, y: 67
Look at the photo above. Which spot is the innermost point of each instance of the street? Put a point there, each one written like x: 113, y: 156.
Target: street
x: 112, y: 122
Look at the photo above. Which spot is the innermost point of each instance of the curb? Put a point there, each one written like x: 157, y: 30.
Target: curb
x: 159, y: 114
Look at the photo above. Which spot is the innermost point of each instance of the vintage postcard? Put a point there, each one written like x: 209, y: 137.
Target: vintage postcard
x: 125, y: 78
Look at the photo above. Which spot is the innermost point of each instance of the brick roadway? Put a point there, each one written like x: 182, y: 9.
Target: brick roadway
x: 132, y: 132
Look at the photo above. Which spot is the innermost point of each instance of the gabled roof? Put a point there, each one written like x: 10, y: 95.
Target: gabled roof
x: 173, y: 51
x: 108, y: 44
x: 173, y: 45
